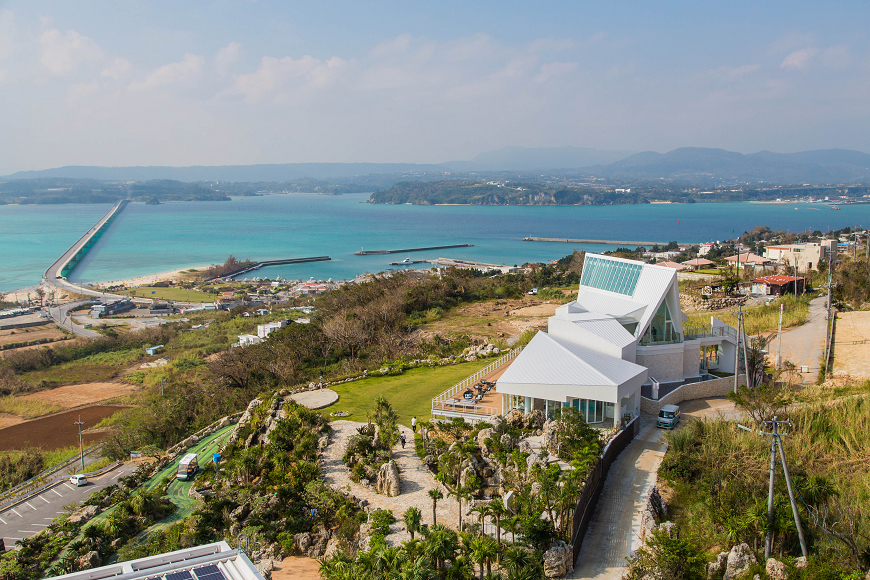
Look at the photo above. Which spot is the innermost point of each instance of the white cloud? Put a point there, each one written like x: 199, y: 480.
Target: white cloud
x: 227, y: 57
x: 62, y: 53
x: 392, y: 47
x: 7, y: 33
x: 836, y: 57
x: 172, y: 73
x: 732, y: 73
x: 119, y: 69
x: 4, y: 74
x: 75, y: 93
x: 276, y: 75
x: 554, y: 69
x: 799, y: 59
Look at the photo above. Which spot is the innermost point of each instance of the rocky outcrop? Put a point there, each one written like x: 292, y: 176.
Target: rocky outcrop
x: 692, y: 302
x: 776, y: 569
x: 655, y: 510
x: 717, y: 568
x: 90, y: 560
x: 388, y: 482
x: 84, y: 514
x: 244, y: 420
x: 740, y: 558
x: 535, y: 420
x: 515, y: 418
x: 550, y: 438
x: 558, y: 560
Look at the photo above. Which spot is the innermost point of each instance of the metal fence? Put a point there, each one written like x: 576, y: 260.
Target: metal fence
x: 40, y: 478
x: 595, y: 482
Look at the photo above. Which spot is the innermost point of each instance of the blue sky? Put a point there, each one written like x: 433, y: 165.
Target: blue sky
x: 183, y: 83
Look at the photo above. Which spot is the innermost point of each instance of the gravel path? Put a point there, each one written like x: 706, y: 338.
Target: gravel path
x: 416, y: 480
x: 804, y: 344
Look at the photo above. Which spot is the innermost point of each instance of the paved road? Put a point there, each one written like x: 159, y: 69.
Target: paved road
x: 614, y: 531
x: 60, y: 314
x: 805, y: 344
x: 31, y: 517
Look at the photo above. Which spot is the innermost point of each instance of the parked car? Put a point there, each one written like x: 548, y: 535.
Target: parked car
x: 78, y: 480
x: 668, y: 417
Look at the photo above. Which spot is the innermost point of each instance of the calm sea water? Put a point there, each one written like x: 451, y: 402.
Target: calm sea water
x: 148, y: 239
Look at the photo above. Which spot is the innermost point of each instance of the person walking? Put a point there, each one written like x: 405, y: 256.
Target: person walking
x: 414, y: 424
x: 403, y: 439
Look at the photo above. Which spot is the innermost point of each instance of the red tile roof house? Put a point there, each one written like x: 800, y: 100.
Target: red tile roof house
x: 675, y: 265
x: 777, y: 285
x: 698, y: 264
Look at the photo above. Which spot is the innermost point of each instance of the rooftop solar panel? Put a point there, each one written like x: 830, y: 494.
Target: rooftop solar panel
x: 184, y: 575
x: 210, y: 572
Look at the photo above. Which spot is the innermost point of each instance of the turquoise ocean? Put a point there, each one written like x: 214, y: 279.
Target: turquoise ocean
x: 147, y: 239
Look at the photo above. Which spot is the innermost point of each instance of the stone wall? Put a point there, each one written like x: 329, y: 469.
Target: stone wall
x: 689, y: 302
x: 702, y: 390
x: 692, y: 361
x: 665, y: 367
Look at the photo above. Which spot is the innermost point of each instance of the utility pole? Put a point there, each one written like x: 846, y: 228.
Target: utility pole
x: 737, y: 346
x: 830, y: 285
x: 779, y: 339
x: 776, y: 443
x: 81, y: 447
x: 740, y: 315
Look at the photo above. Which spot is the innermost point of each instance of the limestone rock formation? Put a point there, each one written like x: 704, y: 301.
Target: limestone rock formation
x: 388, y: 480
x: 739, y: 560
x: 84, y: 514
x: 776, y: 569
x: 715, y: 569
x: 558, y: 560
x: 90, y: 560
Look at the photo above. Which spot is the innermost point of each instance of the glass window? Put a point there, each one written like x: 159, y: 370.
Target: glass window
x: 610, y: 275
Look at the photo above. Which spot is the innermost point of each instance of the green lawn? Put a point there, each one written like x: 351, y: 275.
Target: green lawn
x: 172, y: 293
x: 713, y: 271
x: 410, y: 393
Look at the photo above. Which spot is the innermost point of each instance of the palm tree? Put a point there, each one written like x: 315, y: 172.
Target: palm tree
x: 412, y: 518
x: 482, y: 550
x: 512, y: 525
x: 435, y: 494
x: 417, y: 569
x: 440, y: 545
x: 497, y: 511
x: 515, y: 559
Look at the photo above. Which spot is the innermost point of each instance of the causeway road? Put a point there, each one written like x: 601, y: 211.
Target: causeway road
x: 30, y: 517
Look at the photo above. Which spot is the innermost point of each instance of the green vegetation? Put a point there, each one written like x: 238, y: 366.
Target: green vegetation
x: 719, y: 477
x: 175, y: 293
x: 470, y: 192
x: 27, y: 408
x: 762, y: 318
x: 411, y: 392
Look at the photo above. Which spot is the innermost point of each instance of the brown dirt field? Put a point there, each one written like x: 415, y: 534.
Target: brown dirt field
x: 7, y: 420
x: 35, y: 333
x: 83, y: 394
x: 56, y: 431
x: 851, y: 353
x: 297, y: 568
x: 496, y: 317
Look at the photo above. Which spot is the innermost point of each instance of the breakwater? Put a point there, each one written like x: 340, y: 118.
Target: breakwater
x: 265, y: 263
x: 381, y: 252
x: 581, y: 241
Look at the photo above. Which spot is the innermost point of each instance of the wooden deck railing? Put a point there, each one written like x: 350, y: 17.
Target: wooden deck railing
x: 467, y: 382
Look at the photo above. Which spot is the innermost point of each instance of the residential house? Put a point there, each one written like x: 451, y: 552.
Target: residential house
x: 778, y: 285
x: 750, y: 261
x: 704, y: 249
x: 804, y: 257
x: 698, y: 264
x: 249, y: 339
x: 674, y: 265
x: 264, y: 330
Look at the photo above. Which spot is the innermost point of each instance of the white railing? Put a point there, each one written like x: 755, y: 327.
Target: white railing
x: 455, y: 406
x: 467, y: 382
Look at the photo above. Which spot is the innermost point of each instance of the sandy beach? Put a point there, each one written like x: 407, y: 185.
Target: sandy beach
x: 148, y: 279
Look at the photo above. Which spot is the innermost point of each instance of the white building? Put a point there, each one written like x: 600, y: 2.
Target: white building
x: 249, y: 339
x: 803, y: 256
x: 625, y: 330
x: 215, y: 561
x: 264, y: 330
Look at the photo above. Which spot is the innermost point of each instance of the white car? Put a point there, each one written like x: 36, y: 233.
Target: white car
x: 78, y: 480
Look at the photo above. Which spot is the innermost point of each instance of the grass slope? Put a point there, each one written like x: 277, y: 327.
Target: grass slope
x: 410, y: 393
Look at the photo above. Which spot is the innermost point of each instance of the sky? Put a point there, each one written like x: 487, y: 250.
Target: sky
x: 192, y: 83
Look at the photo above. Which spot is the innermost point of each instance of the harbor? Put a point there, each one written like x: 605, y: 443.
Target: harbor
x: 258, y: 265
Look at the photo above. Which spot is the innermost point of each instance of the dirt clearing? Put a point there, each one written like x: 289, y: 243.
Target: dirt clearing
x: 497, y: 319
x: 852, y: 344
x: 7, y: 420
x: 14, y: 335
x: 83, y: 394
x: 56, y: 431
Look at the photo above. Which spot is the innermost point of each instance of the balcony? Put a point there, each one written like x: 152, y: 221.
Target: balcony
x: 696, y: 332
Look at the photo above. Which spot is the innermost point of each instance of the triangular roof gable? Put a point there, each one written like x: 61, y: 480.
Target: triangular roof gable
x: 604, y: 327
x: 547, y: 360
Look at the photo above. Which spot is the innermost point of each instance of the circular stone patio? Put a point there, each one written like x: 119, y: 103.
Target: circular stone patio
x: 316, y: 399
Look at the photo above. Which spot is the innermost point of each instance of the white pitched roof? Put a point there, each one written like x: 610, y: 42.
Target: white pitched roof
x: 603, y: 326
x: 547, y: 360
x: 601, y: 301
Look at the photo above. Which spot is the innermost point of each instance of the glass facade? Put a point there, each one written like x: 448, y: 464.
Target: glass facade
x: 592, y: 411
x: 610, y: 275
x: 661, y: 328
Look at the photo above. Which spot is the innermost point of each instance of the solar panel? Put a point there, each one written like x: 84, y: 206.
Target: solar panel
x: 210, y: 572
x: 184, y: 575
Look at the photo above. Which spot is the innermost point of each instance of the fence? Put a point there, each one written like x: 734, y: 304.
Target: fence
x: 595, y: 482
x: 467, y: 382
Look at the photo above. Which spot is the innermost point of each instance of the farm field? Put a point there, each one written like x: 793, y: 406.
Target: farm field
x: 13, y: 335
x: 171, y: 293
x: 82, y: 394
x: 56, y: 431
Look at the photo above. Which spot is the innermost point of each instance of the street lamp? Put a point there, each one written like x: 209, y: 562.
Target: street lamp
x: 81, y: 447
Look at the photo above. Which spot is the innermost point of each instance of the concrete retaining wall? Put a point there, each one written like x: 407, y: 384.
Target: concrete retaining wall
x: 702, y: 390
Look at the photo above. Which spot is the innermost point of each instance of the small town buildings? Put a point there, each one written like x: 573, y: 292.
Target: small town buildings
x: 111, y: 308
x: 216, y: 561
x: 152, y: 350
x: 698, y: 264
x: 674, y: 265
x: 704, y: 249
x: 262, y: 311
x: 778, y: 285
x: 802, y: 256
x: 249, y: 339
x: 264, y: 330
x: 750, y: 261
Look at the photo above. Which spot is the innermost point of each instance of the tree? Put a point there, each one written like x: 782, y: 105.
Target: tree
x: 666, y: 556
x: 435, y: 494
x: 482, y: 549
x: 412, y: 518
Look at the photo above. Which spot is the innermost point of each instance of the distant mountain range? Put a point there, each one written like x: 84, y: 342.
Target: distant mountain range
x: 691, y: 165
